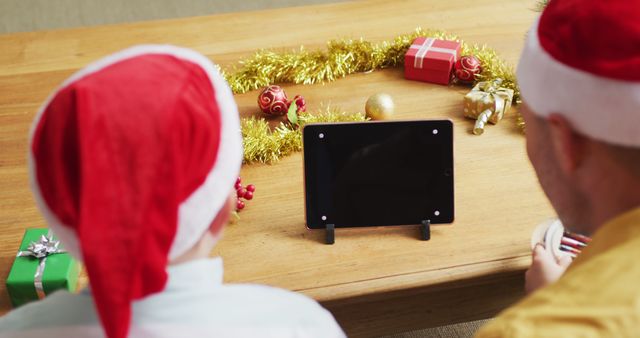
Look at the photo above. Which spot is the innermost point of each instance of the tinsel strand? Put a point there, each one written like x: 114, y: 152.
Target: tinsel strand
x: 263, y: 145
x: 541, y: 5
x: 343, y: 57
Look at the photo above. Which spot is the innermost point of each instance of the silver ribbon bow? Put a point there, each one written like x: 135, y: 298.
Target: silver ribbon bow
x: 41, y: 249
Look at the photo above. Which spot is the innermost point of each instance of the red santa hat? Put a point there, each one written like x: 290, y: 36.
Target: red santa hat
x: 130, y: 161
x: 582, y: 60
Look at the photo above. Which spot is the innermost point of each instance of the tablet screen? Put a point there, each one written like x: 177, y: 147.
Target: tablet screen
x: 378, y: 173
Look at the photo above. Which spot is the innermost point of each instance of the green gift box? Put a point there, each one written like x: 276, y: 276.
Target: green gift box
x: 40, y: 268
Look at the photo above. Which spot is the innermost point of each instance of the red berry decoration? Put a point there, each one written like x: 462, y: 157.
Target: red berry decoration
x: 243, y: 193
x: 248, y: 195
x: 467, y: 68
x: 239, y: 205
x: 240, y: 192
x: 273, y: 101
x: 300, y: 103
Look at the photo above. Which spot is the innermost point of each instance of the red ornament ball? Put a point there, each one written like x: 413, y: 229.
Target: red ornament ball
x: 273, y: 101
x: 467, y: 68
x: 251, y: 188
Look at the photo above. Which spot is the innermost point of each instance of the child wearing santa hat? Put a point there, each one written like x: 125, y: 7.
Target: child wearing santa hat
x: 132, y: 163
x: 579, y: 77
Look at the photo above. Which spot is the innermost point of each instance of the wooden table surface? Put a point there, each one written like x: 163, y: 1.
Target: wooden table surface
x: 375, y: 281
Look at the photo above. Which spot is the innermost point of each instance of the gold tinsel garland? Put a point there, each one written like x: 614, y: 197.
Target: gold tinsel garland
x: 541, y: 5
x: 341, y: 58
x: 346, y: 56
x: 261, y: 144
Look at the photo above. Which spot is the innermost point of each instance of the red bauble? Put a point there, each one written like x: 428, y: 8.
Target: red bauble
x: 467, y: 68
x: 251, y: 188
x: 273, y: 101
x: 248, y: 195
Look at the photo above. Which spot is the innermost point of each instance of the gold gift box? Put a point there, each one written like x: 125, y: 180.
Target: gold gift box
x: 487, y: 102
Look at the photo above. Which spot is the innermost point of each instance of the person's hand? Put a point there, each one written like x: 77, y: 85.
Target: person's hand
x: 545, y: 269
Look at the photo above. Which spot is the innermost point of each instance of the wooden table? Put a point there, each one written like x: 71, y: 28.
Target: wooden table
x: 375, y: 281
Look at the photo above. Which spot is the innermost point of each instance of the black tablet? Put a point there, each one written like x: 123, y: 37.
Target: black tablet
x: 378, y: 173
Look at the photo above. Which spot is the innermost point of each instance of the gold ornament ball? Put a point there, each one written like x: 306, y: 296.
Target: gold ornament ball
x: 379, y: 106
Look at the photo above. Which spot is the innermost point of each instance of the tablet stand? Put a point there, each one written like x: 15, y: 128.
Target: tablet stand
x: 425, y: 232
x: 331, y: 234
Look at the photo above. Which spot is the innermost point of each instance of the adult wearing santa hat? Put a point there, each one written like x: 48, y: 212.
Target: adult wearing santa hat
x: 132, y: 162
x: 579, y: 76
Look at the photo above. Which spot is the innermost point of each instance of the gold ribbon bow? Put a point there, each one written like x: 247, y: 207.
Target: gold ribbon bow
x: 487, y: 102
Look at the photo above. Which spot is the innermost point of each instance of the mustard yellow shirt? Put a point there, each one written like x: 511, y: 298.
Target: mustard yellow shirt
x: 598, y: 296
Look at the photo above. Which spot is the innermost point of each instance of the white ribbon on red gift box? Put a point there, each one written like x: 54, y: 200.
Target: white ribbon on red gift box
x: 427, y: 46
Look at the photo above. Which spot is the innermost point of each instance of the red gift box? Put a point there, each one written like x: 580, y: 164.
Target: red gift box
x: 431, y: 60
